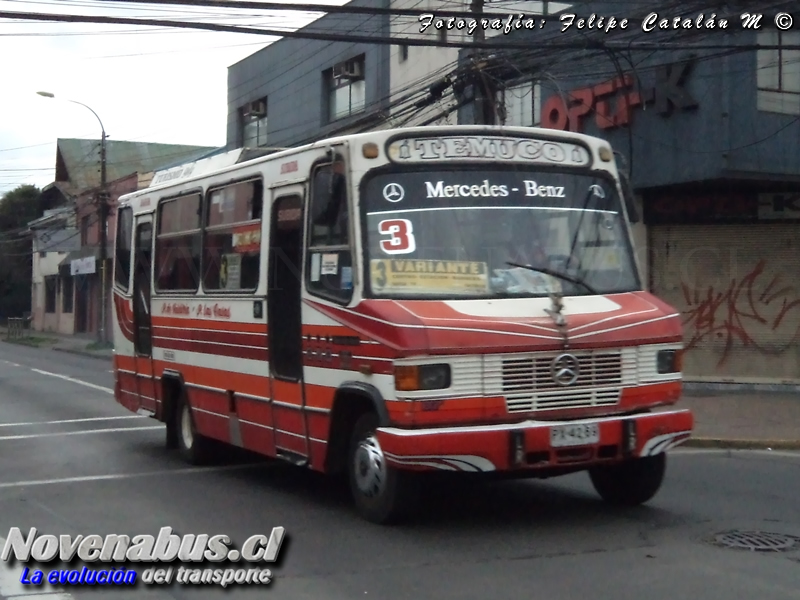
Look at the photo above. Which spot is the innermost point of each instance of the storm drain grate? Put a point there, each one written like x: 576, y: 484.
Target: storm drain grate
x: 759, y: 541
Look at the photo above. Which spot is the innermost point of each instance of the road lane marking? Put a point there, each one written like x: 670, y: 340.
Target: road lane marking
x: 116, y: 476
x: 87, y: 432
x: 8, y: 362
x: 86, y: 420
x: 11, y: 588
x: 73, y: 380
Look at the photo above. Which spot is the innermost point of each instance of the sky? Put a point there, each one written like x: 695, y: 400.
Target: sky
x: 145, y: 84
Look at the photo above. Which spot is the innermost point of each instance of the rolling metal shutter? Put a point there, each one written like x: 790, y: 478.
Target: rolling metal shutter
x: 738, y: 290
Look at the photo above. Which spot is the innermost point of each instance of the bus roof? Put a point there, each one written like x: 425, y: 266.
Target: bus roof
x: 380, y: 137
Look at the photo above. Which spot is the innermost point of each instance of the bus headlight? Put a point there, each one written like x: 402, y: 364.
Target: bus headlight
x: 409, y: 378
x: 669, y: 361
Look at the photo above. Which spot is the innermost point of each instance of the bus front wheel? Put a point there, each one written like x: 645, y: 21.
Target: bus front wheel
x: 632, y: 482
x: 382, y: 494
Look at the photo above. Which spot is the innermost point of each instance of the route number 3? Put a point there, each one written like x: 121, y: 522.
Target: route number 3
x: 402, y: 236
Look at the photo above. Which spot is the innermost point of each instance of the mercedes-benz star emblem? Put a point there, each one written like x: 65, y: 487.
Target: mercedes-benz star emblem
x: 597, y: 191
x: 393, y: 192
x: 565, y: 369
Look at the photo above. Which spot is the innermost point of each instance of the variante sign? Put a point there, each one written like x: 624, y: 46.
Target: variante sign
x: 612, y: 102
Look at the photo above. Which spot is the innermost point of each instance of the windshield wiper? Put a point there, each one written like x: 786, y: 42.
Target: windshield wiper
x: 563, y: 276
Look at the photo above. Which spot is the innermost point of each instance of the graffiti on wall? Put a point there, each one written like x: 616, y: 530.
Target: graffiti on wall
x: 743, y: 313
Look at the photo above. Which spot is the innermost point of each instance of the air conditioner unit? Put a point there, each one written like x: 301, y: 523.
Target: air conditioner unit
x: 256, y: 109
x: 349, y: 70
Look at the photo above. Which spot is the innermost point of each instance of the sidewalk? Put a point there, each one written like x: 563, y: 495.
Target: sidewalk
x: 726, y: 416
x: 744, y: 420
x: 83, y: 345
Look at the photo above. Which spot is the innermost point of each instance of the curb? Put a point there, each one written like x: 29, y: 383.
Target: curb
x: 691, y: 389
x: 741, y: 444
x: 85, y: 353
x: 17, y: 343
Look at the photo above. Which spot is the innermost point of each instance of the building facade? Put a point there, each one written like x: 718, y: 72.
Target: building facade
x: 67, y: 272
x: 295, y: 91
x: 711, y: 140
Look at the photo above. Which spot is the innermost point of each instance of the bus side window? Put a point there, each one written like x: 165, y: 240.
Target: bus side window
x: 232, y: 240
x: 329, y: 268
x: 329, y: 223
x: 122, y: 255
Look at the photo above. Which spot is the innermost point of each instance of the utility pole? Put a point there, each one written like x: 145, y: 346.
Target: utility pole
x: 102, y: 212
x: 482, y: 88
x: 102, y: 199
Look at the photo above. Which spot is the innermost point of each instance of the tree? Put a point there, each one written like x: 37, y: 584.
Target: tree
x: 17, y: 208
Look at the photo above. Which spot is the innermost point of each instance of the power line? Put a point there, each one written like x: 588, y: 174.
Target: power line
x: 304, y: 33
x: 316, y: 8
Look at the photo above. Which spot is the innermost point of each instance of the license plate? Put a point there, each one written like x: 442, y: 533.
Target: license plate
x: 579, y: 434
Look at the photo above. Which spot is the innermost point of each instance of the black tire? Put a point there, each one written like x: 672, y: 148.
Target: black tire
x: 632, y: 482
x: 382, y: 494
x: 193, y: 447
x: 172, y: 441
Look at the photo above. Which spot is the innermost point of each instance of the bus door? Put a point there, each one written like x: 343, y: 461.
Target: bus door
x: 284, y: 322
x: 142, y: 333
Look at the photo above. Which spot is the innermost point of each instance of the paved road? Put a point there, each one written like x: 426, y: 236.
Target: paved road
x: 73, y: 462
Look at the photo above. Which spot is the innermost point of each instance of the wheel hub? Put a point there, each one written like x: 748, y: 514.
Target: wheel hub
x: 370, y: 467
x: 186, y: 427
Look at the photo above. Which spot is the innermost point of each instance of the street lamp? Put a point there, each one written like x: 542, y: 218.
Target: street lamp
x: 102, y: 208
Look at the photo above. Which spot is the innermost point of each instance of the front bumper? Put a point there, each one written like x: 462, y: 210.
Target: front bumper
x: 527, y: 445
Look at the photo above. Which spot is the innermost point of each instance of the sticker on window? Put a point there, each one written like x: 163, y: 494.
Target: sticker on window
x: 230, y: 272
x: 347, y: 278
x: 330, y: 264
x: 429, y: 276
x: 315, y: 267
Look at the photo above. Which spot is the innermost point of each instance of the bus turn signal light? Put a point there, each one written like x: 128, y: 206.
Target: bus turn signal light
x: 409, y: 378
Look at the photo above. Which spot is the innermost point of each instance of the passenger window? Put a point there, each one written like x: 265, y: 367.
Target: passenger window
x: 329, y: 267
x: 178, y: 244
x: 232, y: 242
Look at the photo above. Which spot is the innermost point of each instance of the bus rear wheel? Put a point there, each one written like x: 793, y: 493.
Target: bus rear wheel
x: 193, y: 447
x: 632, y: 482
x: 382, y: 494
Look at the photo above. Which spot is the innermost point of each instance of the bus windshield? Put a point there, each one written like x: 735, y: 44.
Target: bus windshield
x: 451, y: 234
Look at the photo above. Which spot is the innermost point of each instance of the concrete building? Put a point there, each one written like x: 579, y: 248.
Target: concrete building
x: 297, y: 90
x: 711, y: 140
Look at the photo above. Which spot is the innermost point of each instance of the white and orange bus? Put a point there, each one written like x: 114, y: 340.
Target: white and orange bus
x: 383, y: 304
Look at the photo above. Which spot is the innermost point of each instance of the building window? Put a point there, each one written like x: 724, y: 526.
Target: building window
x: 443, y: 35
x: 778, y: 72
x: 522, y: 105
x: 178, y: 244
x: 403, y: 53
x: 232, y: 242
x: 50, y: 292
x: 122, y: 256
x: 66, y: 294
x: 346, y: 89
x: 254, y: 124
